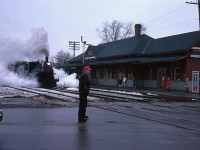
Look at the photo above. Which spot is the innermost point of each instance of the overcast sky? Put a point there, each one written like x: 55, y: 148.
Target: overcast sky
x: 68, y: 20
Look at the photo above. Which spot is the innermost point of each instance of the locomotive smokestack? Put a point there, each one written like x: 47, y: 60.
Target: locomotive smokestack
x: 46, y: 59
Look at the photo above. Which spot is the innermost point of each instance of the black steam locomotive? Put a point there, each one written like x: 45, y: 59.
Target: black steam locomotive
x: 42, y: 71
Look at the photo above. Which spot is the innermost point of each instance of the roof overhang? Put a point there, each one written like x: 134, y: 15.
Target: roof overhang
x: 140, y: 60
x: 132, y: 60
x: 194, y: 56
x: 92, y: 57
x: 161, y: 59
x: 196, y: 48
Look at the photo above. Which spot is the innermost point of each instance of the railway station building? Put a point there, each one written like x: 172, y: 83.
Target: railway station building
x: 150, y: 61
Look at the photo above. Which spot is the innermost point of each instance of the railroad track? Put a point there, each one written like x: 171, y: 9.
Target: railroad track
x: 151, y: 96
x: 63, y: 94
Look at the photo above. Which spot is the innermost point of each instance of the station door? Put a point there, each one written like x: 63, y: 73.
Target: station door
x: 195, y: 81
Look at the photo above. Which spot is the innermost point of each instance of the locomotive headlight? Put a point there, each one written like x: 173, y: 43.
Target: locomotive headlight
x: 49, y: 64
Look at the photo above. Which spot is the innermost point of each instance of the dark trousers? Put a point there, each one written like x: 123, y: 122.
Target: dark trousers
x: 82, y: 105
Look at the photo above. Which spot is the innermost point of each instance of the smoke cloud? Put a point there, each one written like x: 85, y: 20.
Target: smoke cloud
x: 16, y: 47
x: 12, y: 79
x: 65, y: 79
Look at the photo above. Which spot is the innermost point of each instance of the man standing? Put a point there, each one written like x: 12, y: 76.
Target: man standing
x: 84, y: 86
x: 134, y: 83
x: 168, y: 83
x: 124, y: 82
x: 187, y: 83
x: 120, y: 81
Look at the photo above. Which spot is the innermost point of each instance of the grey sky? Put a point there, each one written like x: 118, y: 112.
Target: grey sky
x: 67, y: 20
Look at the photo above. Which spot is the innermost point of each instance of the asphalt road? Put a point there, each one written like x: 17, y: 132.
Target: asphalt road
x: 113, y: 126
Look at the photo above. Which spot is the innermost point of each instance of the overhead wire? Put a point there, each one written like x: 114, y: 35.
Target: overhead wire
x: 164, y: 15
x: 173, y: 25
x: 158, y: 22
x: 142, y: 11
x: 166, y: 20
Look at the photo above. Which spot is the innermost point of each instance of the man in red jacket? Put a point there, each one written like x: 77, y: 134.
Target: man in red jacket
x: 168, y: 83
x: 84, y: 87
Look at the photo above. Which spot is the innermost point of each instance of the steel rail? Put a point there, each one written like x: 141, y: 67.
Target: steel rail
x: 49, y: 92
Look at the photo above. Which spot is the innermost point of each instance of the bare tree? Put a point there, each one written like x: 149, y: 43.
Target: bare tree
x: 116, y: 30
x: 62, y: 57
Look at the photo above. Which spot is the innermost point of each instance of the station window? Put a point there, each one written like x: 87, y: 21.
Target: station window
x: 150, y: 73
x: 105, y: 73
x: 175, y: 73
x: 101, y: 73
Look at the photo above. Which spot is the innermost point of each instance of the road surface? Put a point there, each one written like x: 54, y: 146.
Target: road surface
x: 116, y: 126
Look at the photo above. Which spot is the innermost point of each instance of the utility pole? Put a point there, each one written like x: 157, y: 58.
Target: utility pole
x: 74, y: 46
x: 196, y: 3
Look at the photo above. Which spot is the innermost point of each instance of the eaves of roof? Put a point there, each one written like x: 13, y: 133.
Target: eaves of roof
x: 139, y: 60
x: 161, y: 59
x: 114, y: 61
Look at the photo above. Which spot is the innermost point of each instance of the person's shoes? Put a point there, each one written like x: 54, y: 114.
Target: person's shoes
x: 86, y: 117
x: 82, y: 120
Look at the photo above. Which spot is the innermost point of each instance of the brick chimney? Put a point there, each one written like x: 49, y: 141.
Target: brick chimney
x: 138, y: 28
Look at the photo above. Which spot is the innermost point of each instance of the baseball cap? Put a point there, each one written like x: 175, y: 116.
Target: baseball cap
x: 87, y: 68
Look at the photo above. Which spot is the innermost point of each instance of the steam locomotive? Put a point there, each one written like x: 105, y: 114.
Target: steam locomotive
x: 42, y: 71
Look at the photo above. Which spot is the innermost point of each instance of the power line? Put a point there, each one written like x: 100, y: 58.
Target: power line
x: 164, y: 15
x: 163, y: 19
x: 173, y: 25
x: 196, y: 3
x: 178, y: 17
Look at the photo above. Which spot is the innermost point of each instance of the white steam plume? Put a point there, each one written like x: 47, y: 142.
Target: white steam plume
x: 13, y: 79
x: 15, y: 47
x: 65, y: 79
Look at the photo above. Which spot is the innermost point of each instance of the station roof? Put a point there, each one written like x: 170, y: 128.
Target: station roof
x: 140, y: 49
x: 133, y: 45
x: 76, y: 59
x: 181, y: 42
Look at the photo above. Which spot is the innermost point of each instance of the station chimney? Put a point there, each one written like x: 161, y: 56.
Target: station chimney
x: 138, y: 28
